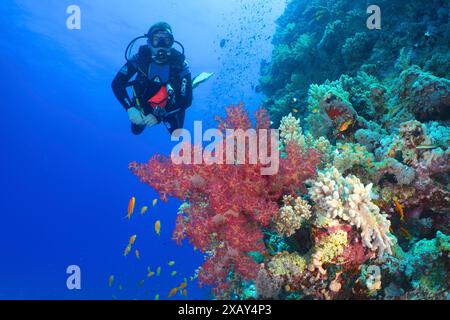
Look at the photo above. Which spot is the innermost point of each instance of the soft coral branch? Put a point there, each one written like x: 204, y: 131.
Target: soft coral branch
x: 228, y: 204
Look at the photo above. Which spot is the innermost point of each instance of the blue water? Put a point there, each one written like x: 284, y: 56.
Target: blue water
x: 66, y: 142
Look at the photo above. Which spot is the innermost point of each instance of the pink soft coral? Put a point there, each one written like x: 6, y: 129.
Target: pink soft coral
x: 228, y: 204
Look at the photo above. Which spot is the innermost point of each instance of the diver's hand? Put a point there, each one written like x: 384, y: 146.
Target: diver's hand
x: 136, y: 116
x: 150, y: 120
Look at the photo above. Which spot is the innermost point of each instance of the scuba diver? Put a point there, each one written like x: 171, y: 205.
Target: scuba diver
x: 162, y: 88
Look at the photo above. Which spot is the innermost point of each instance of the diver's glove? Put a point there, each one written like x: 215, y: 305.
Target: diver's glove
x: 150, y: 120
x: 136, y: 116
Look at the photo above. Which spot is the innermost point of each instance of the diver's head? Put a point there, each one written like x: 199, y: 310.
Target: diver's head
x: 160, y: 41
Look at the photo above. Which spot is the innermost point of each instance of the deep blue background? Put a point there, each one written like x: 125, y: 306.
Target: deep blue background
x: 66, y: 143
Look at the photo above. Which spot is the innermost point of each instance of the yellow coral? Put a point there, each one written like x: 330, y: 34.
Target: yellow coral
x: 331, y: 247
x: 287, y: 264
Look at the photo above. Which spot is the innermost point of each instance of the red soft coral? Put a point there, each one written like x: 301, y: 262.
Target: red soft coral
x: 228, y: 204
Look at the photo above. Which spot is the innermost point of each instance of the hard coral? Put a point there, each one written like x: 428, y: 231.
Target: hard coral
x: 348, y: 199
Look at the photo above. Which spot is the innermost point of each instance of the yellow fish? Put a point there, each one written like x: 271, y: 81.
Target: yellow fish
x: 150, y: 273
x: 155, y: 201
x: 132, y: 240
x: 344, y: 126
x: 172, y: 292
x: 158, y: 227
x: 427, y: 147
x: 315, y: 110
x: 294, y: 110
x: 144, y: 210
x: 158, y: 271
x: 171, y: 263
x: 111, y: 280
x: 137, y: 254
x: 131, y: 207
x: 127, y: 250
x: 173, y: 273
x: 157, y: 297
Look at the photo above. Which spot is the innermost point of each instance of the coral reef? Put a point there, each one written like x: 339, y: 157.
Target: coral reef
x: 360, y: 208
x: 228, y: 204
x: 321, y: 40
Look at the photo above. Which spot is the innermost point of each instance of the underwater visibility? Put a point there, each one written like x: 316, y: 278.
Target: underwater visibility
x: 225, y: 150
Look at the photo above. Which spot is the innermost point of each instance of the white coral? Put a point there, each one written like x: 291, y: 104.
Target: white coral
x: 348, y: 199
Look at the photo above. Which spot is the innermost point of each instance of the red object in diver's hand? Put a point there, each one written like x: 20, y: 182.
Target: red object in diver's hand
x: 160, y: 99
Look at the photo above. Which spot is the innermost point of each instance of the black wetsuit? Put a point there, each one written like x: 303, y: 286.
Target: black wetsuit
x: 149, y: 80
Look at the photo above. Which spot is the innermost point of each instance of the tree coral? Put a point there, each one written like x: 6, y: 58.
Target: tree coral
x: 228, y: 204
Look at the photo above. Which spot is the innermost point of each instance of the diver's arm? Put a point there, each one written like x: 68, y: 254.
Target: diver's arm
x: 185, y: 88
x: 119, y: 84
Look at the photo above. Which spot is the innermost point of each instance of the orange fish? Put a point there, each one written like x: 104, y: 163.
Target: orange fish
x: 127, y: 250
x: 399, y: 209
x: 158, y: 227
x: 184, y: 292
x: 182, y: 285
x: 131, y: 207
x: 344, y: 126
x: 111, y: 280
x: 405, y: 233
x: 132, y: 240
x: 172, y: 292
x: 137, y: 254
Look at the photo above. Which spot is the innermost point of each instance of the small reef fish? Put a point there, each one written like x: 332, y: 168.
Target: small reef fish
x: 127, y: 250
x: 132, y: 240
x: 171, y: 263
x: 150, y: 273
x: 120, y: 287
x: 172, y: 292
x: 137, y: 254
x: 426, y: 147
x: 405, y: 233
x: 158, y: 227
x: 157, y: 297
x: 399, y: 208
x: 182, y: 285
x: 110, y: 280
x: 344, y: 126
x: 131, y: 205
x: 173, y: 273
x: 184, y: 292
x: 158, y: 271
x: 141, y: 283
x: 295, y: 110
x: 144, y: 210
x: 155, y: 201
